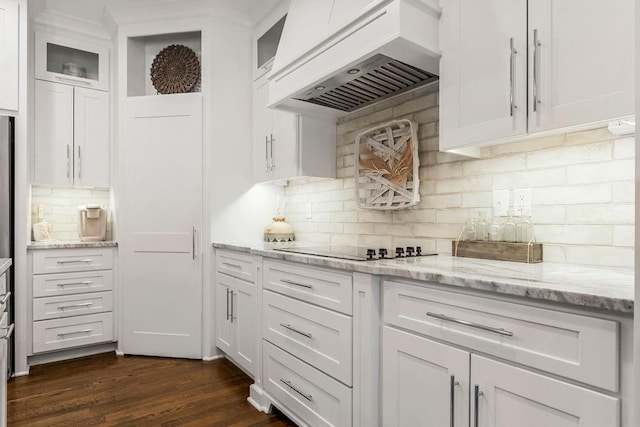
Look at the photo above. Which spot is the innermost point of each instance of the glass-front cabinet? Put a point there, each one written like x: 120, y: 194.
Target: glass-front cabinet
x: 65, y: 60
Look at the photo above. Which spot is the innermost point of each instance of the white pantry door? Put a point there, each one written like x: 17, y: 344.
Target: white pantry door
x: 162, y: 217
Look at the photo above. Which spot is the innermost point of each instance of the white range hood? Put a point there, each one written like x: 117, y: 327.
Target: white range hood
x: 337, y: 56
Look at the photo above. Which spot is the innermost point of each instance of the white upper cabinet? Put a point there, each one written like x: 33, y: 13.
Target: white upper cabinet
x: 65, y: 60
x: 71, y: 135
x: 515, y: 68
x: 9, y: 54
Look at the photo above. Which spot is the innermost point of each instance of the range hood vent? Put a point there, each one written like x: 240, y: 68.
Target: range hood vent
x: 371, y: 81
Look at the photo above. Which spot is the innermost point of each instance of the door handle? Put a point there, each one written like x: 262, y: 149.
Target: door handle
x: 476, y: 399
x: 536, y: 71
x: 452, y: 392
x: 266, y: 153
x: 68, y: 163
x: 79, y: 163
x: 273, y: 165
x: 512, y: 71
x: 193, y: 243
x: 228, y: 303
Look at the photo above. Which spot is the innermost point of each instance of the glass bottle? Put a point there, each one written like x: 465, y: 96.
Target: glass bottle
x: 495, y: 230
x: 482, y: 227
x: 524, y: 228
x: 509, y: 228
x: 469, y: 232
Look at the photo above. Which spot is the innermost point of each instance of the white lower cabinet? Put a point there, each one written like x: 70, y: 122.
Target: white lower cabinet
x: 72, y: 298
x: 434, y: 384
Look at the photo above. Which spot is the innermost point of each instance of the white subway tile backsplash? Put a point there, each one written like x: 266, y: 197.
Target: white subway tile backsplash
x: 582, y: 190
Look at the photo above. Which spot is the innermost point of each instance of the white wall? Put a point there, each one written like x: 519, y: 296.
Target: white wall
x: 582, y: 190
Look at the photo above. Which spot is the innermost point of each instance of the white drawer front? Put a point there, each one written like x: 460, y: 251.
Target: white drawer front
x: 316, y: 398
x: 70, y: 332
x: 66, y: 260
x: 238, y: 265
x: 46, y: 285
x: 316, y: 335
x: 318, y: 286
x: 579, y: 347
x: 72, y: 305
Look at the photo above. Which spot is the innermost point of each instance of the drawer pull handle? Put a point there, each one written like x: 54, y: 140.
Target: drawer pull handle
x: 87, y: 282
x: 471, y: 324
x: 302, y: 285
x: 5, y: 298
x: 8, y: 333
x: 84, y: 304
x: 75, y: 261
x: 286, y: 326
x: 228, y: 264
x: 84, y: 331
x: 292, y: 387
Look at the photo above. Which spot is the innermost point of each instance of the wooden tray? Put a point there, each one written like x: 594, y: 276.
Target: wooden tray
x: 501, y: 251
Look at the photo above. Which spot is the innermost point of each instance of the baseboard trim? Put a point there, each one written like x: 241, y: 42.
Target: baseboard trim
x: 57, y: 356
x: 210, y: 358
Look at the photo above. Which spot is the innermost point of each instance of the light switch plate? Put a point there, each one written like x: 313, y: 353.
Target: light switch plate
x: 500, y: 202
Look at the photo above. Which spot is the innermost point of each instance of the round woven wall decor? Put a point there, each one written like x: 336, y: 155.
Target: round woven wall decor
x: 175, y: 69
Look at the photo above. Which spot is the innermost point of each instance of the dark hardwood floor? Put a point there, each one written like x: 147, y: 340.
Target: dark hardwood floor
x: 108, y: 390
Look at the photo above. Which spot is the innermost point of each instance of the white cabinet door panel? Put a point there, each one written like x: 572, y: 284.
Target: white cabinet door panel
x: 246, y: 327
x: 162, y: 154
x: 53, y: 159
x: 91, y: 138
x: 225, y: 335
x: 516, y: 397
x: 417, y: 374
x: 479, y: 76
x: 9, y: 54
x: 584, y: 66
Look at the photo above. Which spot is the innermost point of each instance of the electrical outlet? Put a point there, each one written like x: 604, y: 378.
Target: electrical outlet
x: 500, y: 202
x: 309, y: 212
x: 522, y: 201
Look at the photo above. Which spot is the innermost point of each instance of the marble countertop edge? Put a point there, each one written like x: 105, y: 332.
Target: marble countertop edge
x: 609, y: 289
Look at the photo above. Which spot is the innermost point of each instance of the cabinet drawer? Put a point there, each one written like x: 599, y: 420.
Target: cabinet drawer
x: 47, y: 285
x: 72, y: 305
x: 316, y: 398
x: 580, y: 347
x: 318, y: 286
x: 67, y: 260
x: 238, y: 265
x: 57, y: 334
x: 316, y: 335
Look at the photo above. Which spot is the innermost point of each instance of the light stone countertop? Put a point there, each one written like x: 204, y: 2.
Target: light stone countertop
x: 610, y: 289
x: 5, y: 263
x: 70, y: 244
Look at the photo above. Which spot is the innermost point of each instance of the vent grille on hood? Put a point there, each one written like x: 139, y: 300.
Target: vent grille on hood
x: 371, y: 81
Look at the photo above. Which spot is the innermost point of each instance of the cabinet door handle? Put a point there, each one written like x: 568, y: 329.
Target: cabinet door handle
x: 68, y: 163
x: 452, y: 390
x: 536, y: 71
x: 471, y: 324
x: 8, y: 333
x: 292, y: 387
x: 5, y: 298
x: 266, y: 153
x: 289, y: 327
x: 87, y: 283
x: 83, y: 331
x: 290, y: 282
x: 229, y: 264
x: 193, y: 243
x: 87, y: 260
x: 232, y: 309
x: 228, y: 303
x: 84, y: 304
x: 476, y: 403
x: 273, y: 165
x: 79, y: 163
x: 74, y: 81
x: 512, y: 75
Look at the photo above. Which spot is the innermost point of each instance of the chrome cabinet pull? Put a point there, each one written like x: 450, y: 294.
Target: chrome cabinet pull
x: 290, y: 282
x: 266, y: 153
x: 74, y: 81
x: 79, y: 163
x: 5, y: 298
x: 87, y: 283
x: 471, y: 324
x: 86, y: 260
x: 292, y: 387
x: 9, y: 331
x: 452, y: 390
x: 232, y: 309
x: 512, y: 71
x: 292, y: 329
x: 68, y: 163
x: 476, y: 398
x: 228, y: 303
x: 85, y: 304
x: 273, y: 165
x: 228, y: 264
x: 84, y: 331
x: 536, y: 65
x: 193, y: 242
